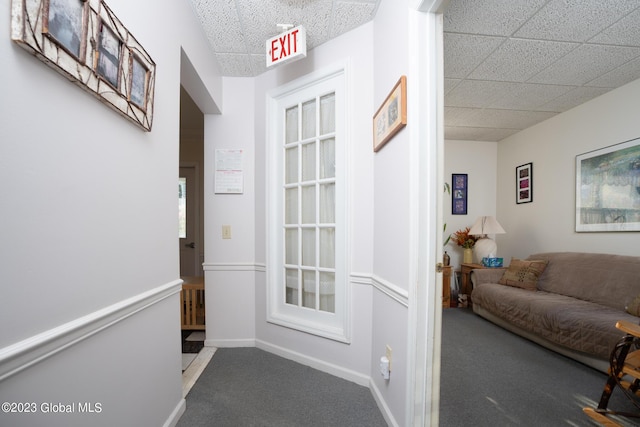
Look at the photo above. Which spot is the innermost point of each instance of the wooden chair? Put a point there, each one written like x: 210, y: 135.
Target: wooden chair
x: 192, y: 308
x: 624, y: 372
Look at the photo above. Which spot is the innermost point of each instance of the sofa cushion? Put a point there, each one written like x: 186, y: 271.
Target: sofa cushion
x: 610, y: 280
x: 634, y: 306
x: 523, y: 273
x: 572, y: 323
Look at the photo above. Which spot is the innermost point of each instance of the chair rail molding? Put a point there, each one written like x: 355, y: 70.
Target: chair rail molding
x: 26, y: 353
x: 387, y: 288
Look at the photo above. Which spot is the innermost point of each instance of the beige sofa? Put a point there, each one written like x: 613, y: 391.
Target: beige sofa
x: 573, y: 307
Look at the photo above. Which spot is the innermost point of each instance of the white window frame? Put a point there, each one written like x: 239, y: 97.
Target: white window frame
x: 336, y: 325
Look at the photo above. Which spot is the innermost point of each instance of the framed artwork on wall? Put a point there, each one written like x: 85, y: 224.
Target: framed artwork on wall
x: 85, y: 42
x: 524, y: 183
x: 391, y: 116
x: 608, y: 188
x: 459, y: 190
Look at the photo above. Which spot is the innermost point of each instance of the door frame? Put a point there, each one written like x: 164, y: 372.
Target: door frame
x: 426, y: 113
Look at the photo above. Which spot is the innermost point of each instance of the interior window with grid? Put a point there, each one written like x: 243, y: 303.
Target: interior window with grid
x: 307, y: 256
x: 309, y: 197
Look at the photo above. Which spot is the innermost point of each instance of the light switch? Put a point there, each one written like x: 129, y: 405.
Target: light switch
x: 226, y: 231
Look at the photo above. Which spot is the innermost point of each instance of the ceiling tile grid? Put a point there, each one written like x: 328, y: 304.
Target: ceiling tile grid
x: 237, y: 30
x: 574, y: 20
x: 525, y: 58
x: 494, y: 17
x: 508, y: 64
x: 505, y: 60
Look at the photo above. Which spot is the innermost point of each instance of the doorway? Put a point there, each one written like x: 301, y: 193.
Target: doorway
x: 190, y: 229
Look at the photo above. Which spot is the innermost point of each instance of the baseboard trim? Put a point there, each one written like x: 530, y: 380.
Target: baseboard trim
x: 382, y: 405
x: 173, y: 419
x: 318, y: 364
x: 21, y: 355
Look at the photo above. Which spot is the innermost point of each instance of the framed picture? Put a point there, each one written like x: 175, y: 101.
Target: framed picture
x: 391, y: 116
x: 109, y: 55
x: 524, y: 183
x: 608, y: 188
x: 459, y: 193
x: 139, y: 81
x: 85, y: 42
x: 65, y: 23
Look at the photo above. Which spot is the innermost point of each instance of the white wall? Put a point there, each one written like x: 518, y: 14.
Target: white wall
x: 391, y: 211
x: 478, y: 159
x: 88, y: 227
x: 548, y: 223
x: 229, y: 263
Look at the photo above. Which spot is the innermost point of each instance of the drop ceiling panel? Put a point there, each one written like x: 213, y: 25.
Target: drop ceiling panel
x: 586, y: 63
x: 478, y: 134
x: 574, y: 20
x: 620, y: 76
x: 491, y: 17
x: 463, y: 53
x: 517, y: 60
x: 508, y: 119
x: 263, y: 20
x: 625, y: 32
x: 351, y: 15
x: 573, y: 98
x: 531, y: 97
x: 508, y: 64
x: 478, y: 93
x: 222, y: 25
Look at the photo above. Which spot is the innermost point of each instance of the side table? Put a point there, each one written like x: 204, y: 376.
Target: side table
x: 446, y: 286
x: 465, y: 286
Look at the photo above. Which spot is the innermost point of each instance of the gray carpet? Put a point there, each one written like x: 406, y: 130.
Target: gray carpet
x: 249, y: 387
x: 491, y: 377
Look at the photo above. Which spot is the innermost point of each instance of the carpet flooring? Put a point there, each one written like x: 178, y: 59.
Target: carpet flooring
x: 489, y: 377
x: 492, y: 377
x: 243, y: 387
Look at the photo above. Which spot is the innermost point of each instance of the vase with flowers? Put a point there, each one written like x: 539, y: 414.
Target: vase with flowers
x: 466, y: 241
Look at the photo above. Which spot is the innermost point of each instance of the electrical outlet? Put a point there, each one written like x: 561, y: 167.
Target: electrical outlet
x: 226, y: 231
x: 389, y: 353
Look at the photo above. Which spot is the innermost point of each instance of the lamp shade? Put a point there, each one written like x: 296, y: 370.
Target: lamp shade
x: 486, y: 225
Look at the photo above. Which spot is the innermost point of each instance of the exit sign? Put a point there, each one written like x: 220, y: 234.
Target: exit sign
x: 286, y: 47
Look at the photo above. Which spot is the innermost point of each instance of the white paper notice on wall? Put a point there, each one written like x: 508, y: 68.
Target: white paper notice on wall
x: 229, y: 177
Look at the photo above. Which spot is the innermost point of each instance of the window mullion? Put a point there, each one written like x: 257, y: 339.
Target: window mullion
x: 300, y: 241
x: 318, y: 207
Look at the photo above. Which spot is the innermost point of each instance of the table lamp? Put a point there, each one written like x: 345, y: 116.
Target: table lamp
x: 485, y: 247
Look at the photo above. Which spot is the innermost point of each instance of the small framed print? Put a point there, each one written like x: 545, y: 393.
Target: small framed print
x: 391, y: 116
x: 65, y: 21
x: 109, y: 52
x: 459, y: 193
x: 524, y: 183
x: 139, y: 81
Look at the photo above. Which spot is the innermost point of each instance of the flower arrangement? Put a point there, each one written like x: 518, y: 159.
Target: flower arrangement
x: 463, y: 238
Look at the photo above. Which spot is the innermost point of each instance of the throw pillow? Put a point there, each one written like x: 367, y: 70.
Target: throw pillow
x: 634, y: 307
x: 523, y: 273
